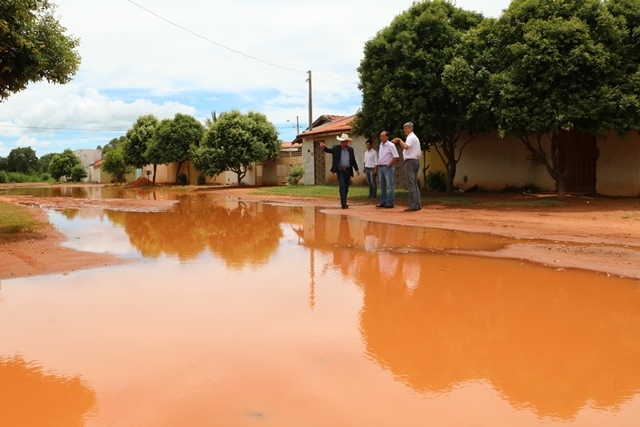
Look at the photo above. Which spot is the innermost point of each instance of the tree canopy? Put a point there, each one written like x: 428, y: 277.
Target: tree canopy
x: 33, y: 46
x: 173, y: 139
x: 138, y: 137
x: 554, y: 67
x: 401, y: 79
x: 234, y: 141
x: 62, y: 164
x: 23, y: 160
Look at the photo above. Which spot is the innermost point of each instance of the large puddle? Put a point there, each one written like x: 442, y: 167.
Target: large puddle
x: 240, y: 314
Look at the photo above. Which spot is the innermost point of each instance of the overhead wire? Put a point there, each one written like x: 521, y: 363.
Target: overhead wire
x: 214, y: 42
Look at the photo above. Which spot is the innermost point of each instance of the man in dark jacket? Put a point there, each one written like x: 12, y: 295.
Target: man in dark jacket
x: 343, y: 164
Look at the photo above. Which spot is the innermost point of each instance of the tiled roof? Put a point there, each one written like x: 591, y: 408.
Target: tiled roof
x: 336, y: 125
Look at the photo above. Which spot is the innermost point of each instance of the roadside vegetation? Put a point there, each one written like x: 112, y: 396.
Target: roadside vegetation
x: 17, y: 219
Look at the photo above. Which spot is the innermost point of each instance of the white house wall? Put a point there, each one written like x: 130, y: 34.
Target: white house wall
x: 494, y: 163
x: 618, y: 167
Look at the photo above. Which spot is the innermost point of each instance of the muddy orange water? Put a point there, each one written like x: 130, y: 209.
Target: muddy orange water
x: 247, y: 314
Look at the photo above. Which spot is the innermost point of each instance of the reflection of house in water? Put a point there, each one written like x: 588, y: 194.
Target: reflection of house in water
x: 551, y: 341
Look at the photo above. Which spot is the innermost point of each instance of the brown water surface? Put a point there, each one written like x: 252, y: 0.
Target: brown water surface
x: 242, y: 314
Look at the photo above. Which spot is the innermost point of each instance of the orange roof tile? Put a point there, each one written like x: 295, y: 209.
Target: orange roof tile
x: 338, y: 124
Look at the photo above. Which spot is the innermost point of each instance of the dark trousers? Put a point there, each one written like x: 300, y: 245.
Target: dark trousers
x: 344, y: 178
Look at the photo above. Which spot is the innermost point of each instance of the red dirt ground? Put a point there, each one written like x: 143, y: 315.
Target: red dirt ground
x: 600, y: 234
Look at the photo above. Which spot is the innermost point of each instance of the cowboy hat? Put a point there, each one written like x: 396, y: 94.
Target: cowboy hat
x: 344, y: 137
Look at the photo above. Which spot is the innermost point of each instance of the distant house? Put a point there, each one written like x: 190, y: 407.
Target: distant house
x: 88, y: 157
x: 317, y: 163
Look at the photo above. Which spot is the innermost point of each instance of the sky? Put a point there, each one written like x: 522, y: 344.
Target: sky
x: 196, y: 57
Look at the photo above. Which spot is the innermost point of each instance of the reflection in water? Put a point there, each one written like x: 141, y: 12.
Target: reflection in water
x: 543, y: 342
x: 355, y: 323
x: 29, y: 397
x: 239, y: 233
x: 551, y: 341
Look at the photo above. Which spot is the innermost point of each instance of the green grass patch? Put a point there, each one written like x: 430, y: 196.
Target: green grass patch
x: 17, y: 219
x: 539, y: 203
x: 630, y: 215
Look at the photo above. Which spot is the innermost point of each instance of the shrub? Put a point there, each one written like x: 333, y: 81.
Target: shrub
x: 435, y: 181
x: 3, y: 177
x: 202, y: 180
x: 182, y: 179
x: 77, y: 173
x: 295, y: 174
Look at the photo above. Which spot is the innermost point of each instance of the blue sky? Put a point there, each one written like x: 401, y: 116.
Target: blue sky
x: 211, y: 56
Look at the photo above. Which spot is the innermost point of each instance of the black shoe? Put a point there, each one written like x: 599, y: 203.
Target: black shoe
x: 381, y: 206
x: 389, y: 206
x: 345, y: 206
x: 411, y: 209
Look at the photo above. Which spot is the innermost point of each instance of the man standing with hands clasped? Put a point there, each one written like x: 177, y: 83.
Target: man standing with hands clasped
x: 344, y: 162
x: 411, y: 155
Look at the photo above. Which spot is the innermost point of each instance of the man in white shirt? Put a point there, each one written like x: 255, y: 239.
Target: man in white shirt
x: 386, y: 169
x: 371, y: 168
x: 411, y: 155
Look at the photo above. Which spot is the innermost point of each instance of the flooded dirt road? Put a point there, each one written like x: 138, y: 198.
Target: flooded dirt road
x: 234, y: 313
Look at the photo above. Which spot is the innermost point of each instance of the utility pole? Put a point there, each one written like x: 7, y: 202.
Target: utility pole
x: 310, y: 103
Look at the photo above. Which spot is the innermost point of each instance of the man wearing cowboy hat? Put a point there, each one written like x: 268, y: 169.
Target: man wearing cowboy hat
x: 344, y: 162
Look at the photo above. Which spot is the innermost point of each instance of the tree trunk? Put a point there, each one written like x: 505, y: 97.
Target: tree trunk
x: 178, y: 171
x: 562, y: 188
x: 155, y: 165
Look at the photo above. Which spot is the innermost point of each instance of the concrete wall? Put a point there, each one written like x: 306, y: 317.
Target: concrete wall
x: 309, y: 146
x: 618, y: 167
x: 493, y: 163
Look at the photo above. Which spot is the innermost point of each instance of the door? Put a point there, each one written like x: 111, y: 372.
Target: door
x: 579, y: 151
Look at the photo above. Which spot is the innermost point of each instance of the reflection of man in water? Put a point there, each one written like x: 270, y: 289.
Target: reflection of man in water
x: 343, y: 251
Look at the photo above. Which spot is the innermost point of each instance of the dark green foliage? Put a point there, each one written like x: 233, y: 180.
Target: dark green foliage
x: 234, y: 141
x: 435, y: 181
x: 77, y: 173
x: 62, y: 164
x: 33, y: 46
x: 402, y: 78
x: 182, y: 179
x: 138, y: 137
x: 23, y: 160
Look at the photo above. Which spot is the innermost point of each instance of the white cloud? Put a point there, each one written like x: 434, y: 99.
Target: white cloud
x: 135, y: 63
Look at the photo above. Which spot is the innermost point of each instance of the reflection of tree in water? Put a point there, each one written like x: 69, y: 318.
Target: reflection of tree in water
x: 31, y: 397
x: 69, y: 213
x: 543, y: 343
x: 239, y: 235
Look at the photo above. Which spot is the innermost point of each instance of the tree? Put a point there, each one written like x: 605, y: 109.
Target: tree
x: 23, y: 160
x: 138, y: 138
x: 44, y: 161
x: 33, y: 46
x: 173, y: 140
x: 4, y: 164
x: 210, y: 121
x: 62, y: 164
x: 404, y: 65
x: 235, y: 141
x: 114, y: 163
x: 78, y: 172
x: 555, y: 67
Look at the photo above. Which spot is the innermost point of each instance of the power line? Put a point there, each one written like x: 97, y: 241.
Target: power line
x: 216, y: 43
x: 58, y: 128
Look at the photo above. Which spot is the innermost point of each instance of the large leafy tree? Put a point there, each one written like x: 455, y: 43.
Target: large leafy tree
x: 401, y: 79
x: 556, y: 66
x: 114, y: 163
x: 33, y: 46
x: 62, y: 164
x: 234, y: 141
x: 138, y: 137
x: 173, y: 139
x: 44, y: 161
x: 23, y: 160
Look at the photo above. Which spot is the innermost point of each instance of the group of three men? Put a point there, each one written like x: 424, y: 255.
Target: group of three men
x: 344, y: 163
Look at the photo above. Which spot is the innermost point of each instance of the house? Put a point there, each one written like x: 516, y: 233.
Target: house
x: 603, y: 164
x: 87, y: 158
x: 317, y: 163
